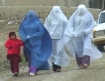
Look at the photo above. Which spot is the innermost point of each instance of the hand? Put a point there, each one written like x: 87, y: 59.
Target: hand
x: 72, y: 35
x: 10, y: 47
x: 28, y: 36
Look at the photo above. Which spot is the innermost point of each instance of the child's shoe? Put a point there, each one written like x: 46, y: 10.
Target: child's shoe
x: 15, y: 74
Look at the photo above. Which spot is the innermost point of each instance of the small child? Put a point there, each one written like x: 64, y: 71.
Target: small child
x: 13, y: 52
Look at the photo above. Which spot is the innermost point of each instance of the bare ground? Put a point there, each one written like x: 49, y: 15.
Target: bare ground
x: 96, y: 71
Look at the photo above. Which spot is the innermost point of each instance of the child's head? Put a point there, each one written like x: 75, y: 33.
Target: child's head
x: 12, y: 35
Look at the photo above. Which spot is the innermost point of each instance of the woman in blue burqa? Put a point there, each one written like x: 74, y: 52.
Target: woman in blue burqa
x: 37, y: 42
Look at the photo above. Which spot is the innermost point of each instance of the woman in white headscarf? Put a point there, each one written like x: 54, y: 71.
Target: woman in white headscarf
x: 78, y: 36
x: 56, y: 23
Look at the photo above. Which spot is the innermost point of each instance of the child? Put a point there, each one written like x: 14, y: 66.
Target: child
x: 13, y: 52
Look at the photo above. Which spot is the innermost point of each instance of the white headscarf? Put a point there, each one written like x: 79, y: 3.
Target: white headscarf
x: 55, y: 22
x: 80, y: 23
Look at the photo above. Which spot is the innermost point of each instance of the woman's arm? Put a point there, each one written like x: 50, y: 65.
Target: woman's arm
x: 40, y: 31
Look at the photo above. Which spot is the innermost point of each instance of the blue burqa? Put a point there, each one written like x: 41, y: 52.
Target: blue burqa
x: 38, y: 44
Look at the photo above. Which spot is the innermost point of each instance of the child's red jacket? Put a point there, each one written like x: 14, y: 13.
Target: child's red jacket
x: 13, y: 46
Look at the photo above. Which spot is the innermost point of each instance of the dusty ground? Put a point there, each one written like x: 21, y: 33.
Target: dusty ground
x: 96, y: 71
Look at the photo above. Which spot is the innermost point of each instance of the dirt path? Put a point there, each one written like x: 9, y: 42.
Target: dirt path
x: 96, y: 72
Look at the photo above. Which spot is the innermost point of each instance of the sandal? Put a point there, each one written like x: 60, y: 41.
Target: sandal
x: 58, y: 70
x: 81, y: 67
x: 15, y: 74
x: 85, y: 65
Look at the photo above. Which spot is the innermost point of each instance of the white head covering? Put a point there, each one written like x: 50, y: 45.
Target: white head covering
x: 80, y: 23
x: 78, y: 34
x: 55, y: 22
x: 81, y: 10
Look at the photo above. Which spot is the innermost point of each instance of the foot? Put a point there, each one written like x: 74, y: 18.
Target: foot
x: 58, y: 70
x: 85, y: 65
x: 81, y: 67
x: 15, y: 74
x: 32, y: 74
